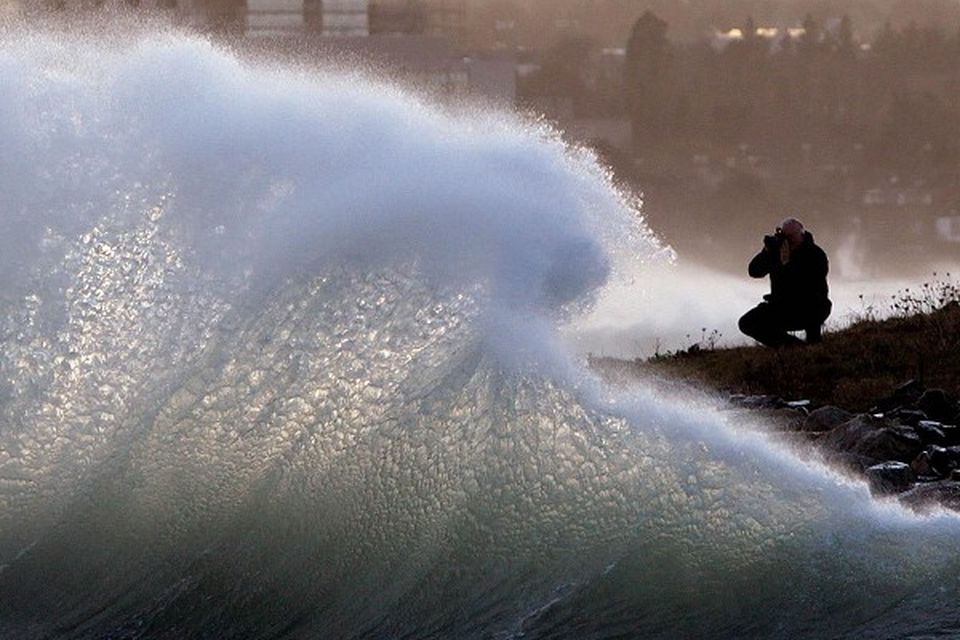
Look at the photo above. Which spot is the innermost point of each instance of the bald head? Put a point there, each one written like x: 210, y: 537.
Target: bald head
x: 792, y: 230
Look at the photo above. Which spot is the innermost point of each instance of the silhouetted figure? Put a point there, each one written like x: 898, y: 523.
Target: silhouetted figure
x: 798, y: 288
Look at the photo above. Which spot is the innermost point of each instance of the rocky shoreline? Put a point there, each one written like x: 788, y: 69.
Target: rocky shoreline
x: 906, y: 446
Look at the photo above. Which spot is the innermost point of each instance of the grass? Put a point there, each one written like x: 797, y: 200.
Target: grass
x: 917, y: 337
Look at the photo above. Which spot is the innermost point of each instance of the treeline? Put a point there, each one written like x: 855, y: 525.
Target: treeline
x: 819, y: 90
x: 540, y: 23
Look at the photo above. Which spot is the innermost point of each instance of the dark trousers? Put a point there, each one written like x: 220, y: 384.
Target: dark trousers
x: 769, y: 323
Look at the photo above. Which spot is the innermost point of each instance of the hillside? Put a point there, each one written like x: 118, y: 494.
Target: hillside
x: 852, y: 368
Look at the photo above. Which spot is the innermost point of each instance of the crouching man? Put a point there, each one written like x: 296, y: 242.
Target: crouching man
x: 798, y: 288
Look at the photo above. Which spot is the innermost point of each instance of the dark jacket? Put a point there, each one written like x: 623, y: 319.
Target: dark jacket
x: 800, y: 286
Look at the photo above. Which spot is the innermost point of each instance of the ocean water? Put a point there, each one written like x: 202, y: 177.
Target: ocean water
x: 281, y: 357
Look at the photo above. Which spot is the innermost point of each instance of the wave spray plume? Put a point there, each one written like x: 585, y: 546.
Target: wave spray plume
x: 279, y: 360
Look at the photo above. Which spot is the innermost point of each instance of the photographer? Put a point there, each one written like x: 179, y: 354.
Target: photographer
x: 798, y: 288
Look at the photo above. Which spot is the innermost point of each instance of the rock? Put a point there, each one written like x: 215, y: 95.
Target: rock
x: 944, y: 459
x: 904, y: 395
x: 757, y: 402
x: 826, y: 418
x: 931, y: 462
x: 875, y: 438
x: 909, y: 390
x: 852, y: 462
x: 886, y: 405
x: 923, y: 468
x: 926, y: 496
x: 931, y: 432
x: 798, y: 407
x: 890, y: 477
x: 952, y: 434
x: 936, y: 404
x: 911, y: 417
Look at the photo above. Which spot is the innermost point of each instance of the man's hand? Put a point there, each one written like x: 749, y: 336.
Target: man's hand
x: 772, y: 242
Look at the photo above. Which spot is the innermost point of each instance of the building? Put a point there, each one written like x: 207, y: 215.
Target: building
x: 271, y: 17
x: 948, y: 227
x: 357, y: 18
x: 414, y: 41
x: 431, y: 64
x: 344, y: 17
x: 447, y: 18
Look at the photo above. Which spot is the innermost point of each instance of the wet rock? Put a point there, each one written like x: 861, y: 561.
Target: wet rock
x: 944, y: 459
x: 937, y: 405
x: 926, y: 496
x: 757, y: 402
x: 904, y: 395
x: 910, y: 417
x: 952, y: 434
x: 931, y: 432
x: 876, y: 438
x: 923, y: 468
x: 909, y: 390
x: 852, y: 462
x: 891, y: 477
x: 826, y: 418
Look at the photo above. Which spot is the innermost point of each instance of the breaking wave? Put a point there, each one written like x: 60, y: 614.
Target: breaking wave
x: 280, y: 360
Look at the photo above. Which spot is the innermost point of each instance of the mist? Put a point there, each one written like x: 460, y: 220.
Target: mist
x: 673, y: 305
x: 297, y: 299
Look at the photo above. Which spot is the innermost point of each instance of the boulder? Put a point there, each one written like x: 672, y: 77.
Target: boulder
x: 875, y: 438
x: 904, y: 395
x: 923, y: 468
x: 944, y: 459
x: 911, y: 389
x: 926, y: 496
x: 937, y: 405
x: 891, y: 477
x: 931, y: 432
x: 825, y: 419
x: 952, y: 433
x: 851, y: 462
x: 910, y: 417
x: 757, y: 402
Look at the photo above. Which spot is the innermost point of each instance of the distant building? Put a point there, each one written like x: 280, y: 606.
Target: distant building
x: 893, y: 197
x: 612, y: 132
x: 948, y: 227
x: 430, y: 64
x: 345, y: 17
x: 329, y: 17
x: 15, y: 6
x: 775, y: 37
x: 272, y: 17
x: 553, y: 107
x: 357, y: 18
x: 446, y: 18
x: 413, y: 40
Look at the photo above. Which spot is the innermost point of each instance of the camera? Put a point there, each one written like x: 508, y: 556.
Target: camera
x: 772, y: 242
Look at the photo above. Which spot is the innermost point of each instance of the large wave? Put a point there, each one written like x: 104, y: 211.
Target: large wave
x: 279, y: 360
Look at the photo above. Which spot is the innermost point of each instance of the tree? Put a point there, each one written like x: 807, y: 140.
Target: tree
x: 749, y: 31
x: 887, y: 42
x: 646, y: 68
x: 845, y: 46
x: 564, y: 68
x: 810, y: 40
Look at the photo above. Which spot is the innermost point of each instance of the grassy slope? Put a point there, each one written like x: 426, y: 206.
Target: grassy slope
x: 852, y: 368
